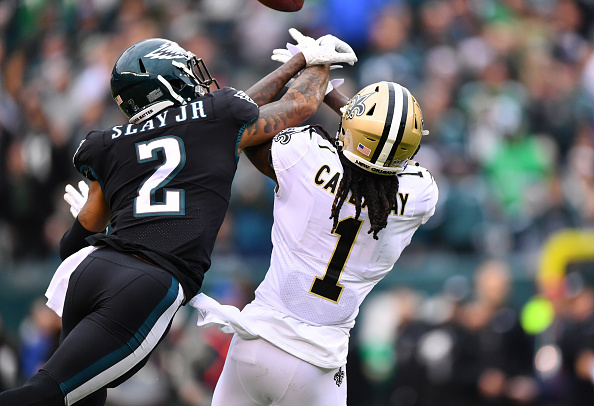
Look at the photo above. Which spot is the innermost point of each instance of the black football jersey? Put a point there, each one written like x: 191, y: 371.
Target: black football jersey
x: 168, y: 180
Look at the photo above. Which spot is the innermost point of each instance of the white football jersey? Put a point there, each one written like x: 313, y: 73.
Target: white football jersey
x: 317, y: 279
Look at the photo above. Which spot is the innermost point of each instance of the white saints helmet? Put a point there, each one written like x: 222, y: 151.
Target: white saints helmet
x: 381, y: 128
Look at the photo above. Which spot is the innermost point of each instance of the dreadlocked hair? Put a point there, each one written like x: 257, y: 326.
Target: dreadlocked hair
x: 377, y: 192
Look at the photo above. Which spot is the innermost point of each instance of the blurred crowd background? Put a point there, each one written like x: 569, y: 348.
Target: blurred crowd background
x: 491, y: 304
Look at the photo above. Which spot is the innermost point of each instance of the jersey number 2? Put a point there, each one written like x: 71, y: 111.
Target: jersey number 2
x: 328, y: 287
x: 174, y: 158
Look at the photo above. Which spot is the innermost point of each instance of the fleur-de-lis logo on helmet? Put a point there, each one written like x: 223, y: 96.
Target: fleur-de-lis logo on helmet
x: 357, y: 106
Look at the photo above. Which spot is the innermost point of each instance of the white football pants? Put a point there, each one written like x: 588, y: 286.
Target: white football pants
x: 258, y: 373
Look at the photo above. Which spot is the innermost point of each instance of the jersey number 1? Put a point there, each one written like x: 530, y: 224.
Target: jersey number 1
x: 328, y: 287
x: 174, y: 158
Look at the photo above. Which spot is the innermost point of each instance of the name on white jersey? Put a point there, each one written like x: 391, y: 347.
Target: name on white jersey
x: 329, y: 182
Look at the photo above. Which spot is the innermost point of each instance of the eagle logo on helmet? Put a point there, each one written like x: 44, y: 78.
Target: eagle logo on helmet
x: 357, y: 106
x: 168, y: 51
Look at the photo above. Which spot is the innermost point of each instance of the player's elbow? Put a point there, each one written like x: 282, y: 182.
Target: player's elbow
x: 311, y: 104
x: 309, y: 110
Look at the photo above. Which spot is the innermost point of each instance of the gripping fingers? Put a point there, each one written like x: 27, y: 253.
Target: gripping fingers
x: 76, y: 199
x: 340, y: 47
x: 292, y: 49
x: 69, y: 199
x: 72, y: 195
x: 84, y: 188
x: 296, y: 34
x: 72, y: 201
x: 281, y: 55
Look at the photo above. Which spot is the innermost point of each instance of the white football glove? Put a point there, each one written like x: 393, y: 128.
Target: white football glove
x: 283, y: 55
x: 76, y: 199
x: 326, y: 50
x: 335, y: 51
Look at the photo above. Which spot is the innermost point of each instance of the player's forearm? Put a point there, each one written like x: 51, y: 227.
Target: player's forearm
x: 307, y: 92
x: 269, y: 87
x: 336, y: 100
x: 74, y: 239
x: 300, y: 102
x: 94, y: 215
x: 259, y: 156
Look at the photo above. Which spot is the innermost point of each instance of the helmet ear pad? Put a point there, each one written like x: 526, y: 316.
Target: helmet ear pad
x: 381, y: 128
x: 143, y: 99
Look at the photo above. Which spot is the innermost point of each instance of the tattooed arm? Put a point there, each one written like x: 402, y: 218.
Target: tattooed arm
x: 259, y: 155
x: 268, y: 88
x: 301, y: 101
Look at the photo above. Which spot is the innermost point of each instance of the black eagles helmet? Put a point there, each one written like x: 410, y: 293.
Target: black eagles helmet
x: 155, y: 74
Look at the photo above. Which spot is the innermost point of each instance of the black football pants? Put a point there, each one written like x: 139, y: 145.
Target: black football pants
x: 117, y: 309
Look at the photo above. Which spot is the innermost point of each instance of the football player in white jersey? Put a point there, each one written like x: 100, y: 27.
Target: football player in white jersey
x: 344, y: 211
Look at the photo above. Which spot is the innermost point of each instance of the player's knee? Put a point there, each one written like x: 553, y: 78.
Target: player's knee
x: 42, y: 386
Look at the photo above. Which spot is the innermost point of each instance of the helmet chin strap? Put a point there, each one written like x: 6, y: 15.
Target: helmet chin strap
x: 338, y: 142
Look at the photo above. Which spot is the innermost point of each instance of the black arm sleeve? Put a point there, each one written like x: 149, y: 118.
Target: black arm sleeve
x: 74, y: 239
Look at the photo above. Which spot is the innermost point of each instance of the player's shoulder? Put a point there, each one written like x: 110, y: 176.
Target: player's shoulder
x: 240, y: 104
x: 92, y: 142
x: 89, y: 154
x: 292, y: 136
x: 291, y: 145
x: 233, y: 95
x: 420, y: 183
x: 415, y: 169
x: 416, y: 176
x: 299, y: 137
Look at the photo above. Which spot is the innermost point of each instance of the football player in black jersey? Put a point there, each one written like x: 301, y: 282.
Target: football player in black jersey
x: 163, y: 184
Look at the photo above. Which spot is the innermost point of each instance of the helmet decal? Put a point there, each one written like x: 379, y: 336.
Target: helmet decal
x: 363, y: 149
x: 169, y: 50
x: 133, y: 105
x: 154, y: 95
x: 357, y: 106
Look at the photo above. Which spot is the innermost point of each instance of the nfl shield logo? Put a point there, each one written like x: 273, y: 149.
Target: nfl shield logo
x: 363, y: 149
